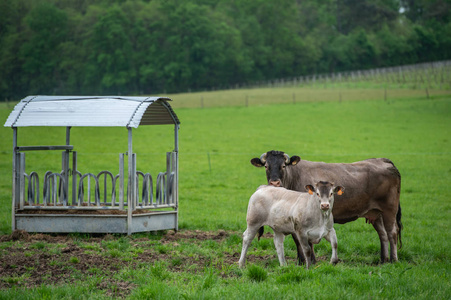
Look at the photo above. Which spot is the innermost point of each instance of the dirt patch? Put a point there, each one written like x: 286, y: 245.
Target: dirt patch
x: 172, y: 236
x: 30, y: 260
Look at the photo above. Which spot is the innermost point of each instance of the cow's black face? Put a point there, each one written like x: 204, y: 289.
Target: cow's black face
x: 275, y: 163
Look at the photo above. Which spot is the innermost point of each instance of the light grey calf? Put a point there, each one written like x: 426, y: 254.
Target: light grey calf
x: 308, y: 216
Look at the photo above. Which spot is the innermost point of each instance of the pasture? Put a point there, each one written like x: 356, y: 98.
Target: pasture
x: 216, y: 181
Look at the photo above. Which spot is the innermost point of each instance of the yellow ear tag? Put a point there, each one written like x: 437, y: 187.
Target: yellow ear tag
x: 340, y: 192
x: 294, y: 163
x: 310, y: 192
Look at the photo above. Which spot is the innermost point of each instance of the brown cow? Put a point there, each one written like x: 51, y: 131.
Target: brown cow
x: 372, y: 191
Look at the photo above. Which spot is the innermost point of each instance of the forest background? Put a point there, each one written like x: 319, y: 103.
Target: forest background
x: 136, y: 47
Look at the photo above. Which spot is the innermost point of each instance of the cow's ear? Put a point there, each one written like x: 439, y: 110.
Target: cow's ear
x: 310, y: 189
x: 294, y: 160
x: 257, y: 162
x: 339, y: 190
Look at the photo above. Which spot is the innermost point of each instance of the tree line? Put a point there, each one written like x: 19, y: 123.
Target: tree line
x: 140, y: 47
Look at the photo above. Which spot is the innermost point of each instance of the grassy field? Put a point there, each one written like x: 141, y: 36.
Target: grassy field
x: 216, y: 180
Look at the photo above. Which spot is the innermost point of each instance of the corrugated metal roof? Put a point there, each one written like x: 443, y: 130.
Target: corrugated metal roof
x: 91, y: 111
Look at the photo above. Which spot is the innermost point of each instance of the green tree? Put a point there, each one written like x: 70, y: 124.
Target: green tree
x: 109, y: 67
x: 366, y: 14
x: 11, y: 39
x: 46, y: 30
x: 198, y: 45
x: 150, y: 47
x: 424, y: 11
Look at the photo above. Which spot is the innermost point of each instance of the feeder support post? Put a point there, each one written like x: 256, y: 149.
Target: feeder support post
x: 131, y: 182
x: 176, y: 137
x: 15, y: 177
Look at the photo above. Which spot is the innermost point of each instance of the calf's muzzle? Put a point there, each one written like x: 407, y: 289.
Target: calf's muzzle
x: 325, y: 206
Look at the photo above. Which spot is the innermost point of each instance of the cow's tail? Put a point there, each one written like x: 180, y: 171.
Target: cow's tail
x: 398, y: 221
x: 395, y: 172
x: 260, y: 232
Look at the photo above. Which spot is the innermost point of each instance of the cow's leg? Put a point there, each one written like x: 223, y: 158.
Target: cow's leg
x: 307, y: 249
x: 278, y: 242
x: 313, y: 258
x: 248, y: 236
x: 378, y: 224
x: 392, y: 233
x: 331, y: 237
x: 301, y: 258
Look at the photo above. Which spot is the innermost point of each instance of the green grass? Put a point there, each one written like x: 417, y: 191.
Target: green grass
x: 216, y: 181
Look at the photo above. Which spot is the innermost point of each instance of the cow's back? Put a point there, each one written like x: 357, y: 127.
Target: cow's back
x: 366, y: 184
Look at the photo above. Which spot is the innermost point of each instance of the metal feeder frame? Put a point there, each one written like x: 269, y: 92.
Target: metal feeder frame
x: 123, y: 214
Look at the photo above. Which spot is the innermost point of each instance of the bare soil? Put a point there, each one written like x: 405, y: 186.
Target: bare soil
x: 27, y: 262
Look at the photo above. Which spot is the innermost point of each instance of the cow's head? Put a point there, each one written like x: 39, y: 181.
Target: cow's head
x: 324, y: 192
x: 275, y: 163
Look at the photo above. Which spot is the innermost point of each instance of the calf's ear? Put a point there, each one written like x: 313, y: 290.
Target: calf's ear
x: 294, y: 160
x: 257, y: 162
x: 339, y: 190
x: 310, y: 189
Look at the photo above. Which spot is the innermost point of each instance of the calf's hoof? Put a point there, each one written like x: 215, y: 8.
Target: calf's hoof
x: 334, y: 261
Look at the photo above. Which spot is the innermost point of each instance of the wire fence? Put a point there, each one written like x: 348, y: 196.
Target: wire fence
x: 424, y: 80
x: 432, y: 75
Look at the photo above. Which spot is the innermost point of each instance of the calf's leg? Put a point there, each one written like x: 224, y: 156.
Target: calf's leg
x: 331, y: 237
x: 278, y: 242
x: 248, y: 236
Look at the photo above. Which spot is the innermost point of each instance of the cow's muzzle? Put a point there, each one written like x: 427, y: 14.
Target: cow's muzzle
x: 275, y: 183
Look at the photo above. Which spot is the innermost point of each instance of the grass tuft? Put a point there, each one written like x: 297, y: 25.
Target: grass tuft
x: 256, y: 273
x: 74, y: 260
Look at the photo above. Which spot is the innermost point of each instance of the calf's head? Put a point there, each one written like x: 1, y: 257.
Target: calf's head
x: 324, y: 192
x: 275, y: 163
